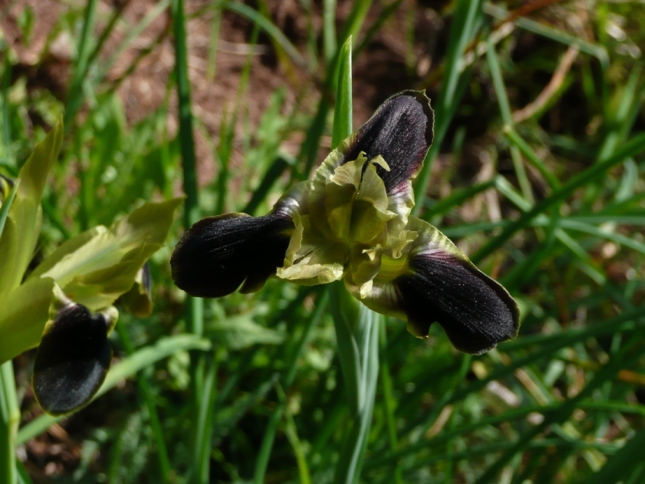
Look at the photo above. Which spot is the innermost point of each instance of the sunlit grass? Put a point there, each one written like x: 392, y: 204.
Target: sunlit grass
x: 550, y: 202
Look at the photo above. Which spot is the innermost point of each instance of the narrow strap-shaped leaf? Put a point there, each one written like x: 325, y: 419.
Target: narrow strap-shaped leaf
x: 16, y: 248
x: 623, y: 464
x: 633, y: 146
x: 343, y: 108
x: 6, y: 205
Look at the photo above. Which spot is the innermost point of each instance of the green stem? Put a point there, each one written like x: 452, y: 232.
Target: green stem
x: 10, y: 414
x: 186, y: 139
x: 358, y: 350
x: 195, y: 306
x: 204, y: 419
x: 390, y: 403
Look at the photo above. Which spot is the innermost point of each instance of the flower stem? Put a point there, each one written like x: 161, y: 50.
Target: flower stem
x: 195, y: 306
x: 358, y: 349
x: 9, y: 418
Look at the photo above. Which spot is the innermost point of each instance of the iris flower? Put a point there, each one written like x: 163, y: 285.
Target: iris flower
x: 352, y: 222
x: 66, y: 304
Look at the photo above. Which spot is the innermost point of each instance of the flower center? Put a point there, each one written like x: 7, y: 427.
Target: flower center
x: 392, y: 268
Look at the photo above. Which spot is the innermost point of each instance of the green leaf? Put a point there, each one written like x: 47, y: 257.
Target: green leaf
x: 21, y: 232
x: 343, y: 108
x: 240, y: 332
x: 23, y: 314
x: 10, y: 192
x: 624, y: 464
x: 269, y: 28
x: 357, y: 337
x: 97, y: 266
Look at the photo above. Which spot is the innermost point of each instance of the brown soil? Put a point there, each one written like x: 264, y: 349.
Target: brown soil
x: 143, y: 77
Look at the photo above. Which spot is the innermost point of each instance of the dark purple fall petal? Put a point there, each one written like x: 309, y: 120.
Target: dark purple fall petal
x: 475, y: 311
x: 401, y: 131
x: 218, y: 254
x: 72, y: 360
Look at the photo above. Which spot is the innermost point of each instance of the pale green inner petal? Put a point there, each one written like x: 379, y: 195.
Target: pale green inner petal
x: 345, y: 222
x: 348, y: 226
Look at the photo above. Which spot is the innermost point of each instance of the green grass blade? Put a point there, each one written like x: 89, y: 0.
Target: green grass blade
x: 133, y: 34
x: 356, y: 18
x: 457, y: 197
x: 214, y: 43
x: 629, y: 149
x: 84, y: 52
x: 632, y: 243
x: 195, y: 306
x: 186, y: 137
x: 607, y: 373
x: 463, y: 31
x: 507, y: 117
x: 388, y: 11
x: 357, y: 338
x: 275, y: 171
x: 267, y: 445
x: 9, y: 421
x: 543, y: 30
x: 6, y: 132
x: 389, y: 403
x: 621, y: 121
x: 298, y: 448
x: 329, y: 29
x: 204, y: 425
x: 508, y: 416
x: 343, y: 109
x: 532, y: 157
x: 287, y: 380
x: 269, y: 28
x: 23, y: 475
x: 630, y: 320
x: 309, y: 149
x: 153, y: 415
x: 227, y: 131
x: 6, y: 205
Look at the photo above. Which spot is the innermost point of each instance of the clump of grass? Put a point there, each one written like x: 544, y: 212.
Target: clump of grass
x: 536, y: 171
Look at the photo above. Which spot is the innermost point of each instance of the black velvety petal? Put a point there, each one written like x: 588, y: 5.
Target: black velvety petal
x: 475, y: 311
x: 401, y: 131
x: 72, y: 360
x: 217, y: 254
